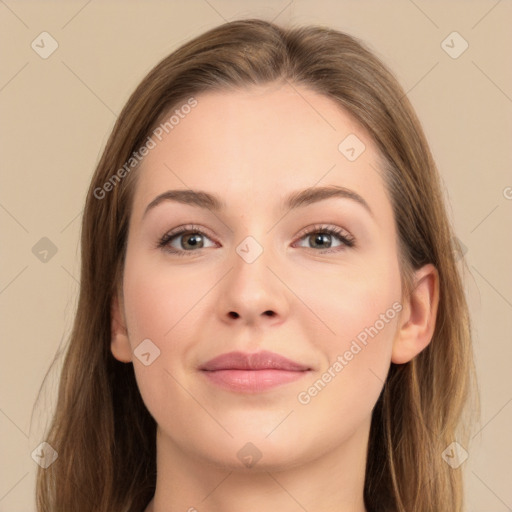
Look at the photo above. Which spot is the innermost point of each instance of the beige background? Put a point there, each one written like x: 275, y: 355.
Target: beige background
x: 57, y: 114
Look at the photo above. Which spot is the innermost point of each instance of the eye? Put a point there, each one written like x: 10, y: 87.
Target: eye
x: 187, y: 238
x: 323, y: 235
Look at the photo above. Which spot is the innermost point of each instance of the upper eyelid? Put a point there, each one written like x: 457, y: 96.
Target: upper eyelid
x: 186, y: 229
x: 324, y: 227
x: 193, y: 228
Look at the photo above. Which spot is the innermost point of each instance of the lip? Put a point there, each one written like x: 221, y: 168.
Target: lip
x: 263, y: 360
x: 252, y: 373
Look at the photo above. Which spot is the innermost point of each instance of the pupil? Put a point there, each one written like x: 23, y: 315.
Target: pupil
x: 321, y: 238
x: 193, y: 240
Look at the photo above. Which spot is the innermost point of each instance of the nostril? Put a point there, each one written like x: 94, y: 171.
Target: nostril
x: 269, y: 313
x: 232, y: 314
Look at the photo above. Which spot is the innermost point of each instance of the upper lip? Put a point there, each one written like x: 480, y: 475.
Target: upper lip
x: 255, y: 361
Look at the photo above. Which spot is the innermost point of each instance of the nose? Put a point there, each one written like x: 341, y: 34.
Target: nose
x: 252, y: 292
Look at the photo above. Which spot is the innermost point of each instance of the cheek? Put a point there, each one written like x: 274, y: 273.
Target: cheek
x: 348, y: 300
x: 342, y: 394
x: 358, y: 316
x: 160, y: 299
x: 166, y: 305
x: 162, y: 304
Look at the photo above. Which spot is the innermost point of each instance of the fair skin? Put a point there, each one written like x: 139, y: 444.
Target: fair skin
x: 253, y: 148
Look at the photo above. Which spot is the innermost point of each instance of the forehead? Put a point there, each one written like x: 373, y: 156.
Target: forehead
x: 258, y: 144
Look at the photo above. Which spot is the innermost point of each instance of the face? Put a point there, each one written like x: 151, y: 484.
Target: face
x: 318, y: 283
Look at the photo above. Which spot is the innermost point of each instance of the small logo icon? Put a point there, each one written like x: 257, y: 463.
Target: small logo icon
x: 454, y: 45
x: 249, y: 249
x: 44, y: 250
x: 146, y: 352
x: 249, y: 455
x: 507, y: 192
x: 454, y: 455
x: 44, y: 455
x: 44, y: 45
x: 459, y: 247
x: 351, y: 147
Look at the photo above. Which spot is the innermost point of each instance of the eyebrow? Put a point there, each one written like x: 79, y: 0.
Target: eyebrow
x: 295, y: 200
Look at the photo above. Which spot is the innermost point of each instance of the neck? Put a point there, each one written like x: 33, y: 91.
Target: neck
x: 328, y: 482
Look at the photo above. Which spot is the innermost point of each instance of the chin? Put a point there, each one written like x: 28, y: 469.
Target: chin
x: 255, y: 454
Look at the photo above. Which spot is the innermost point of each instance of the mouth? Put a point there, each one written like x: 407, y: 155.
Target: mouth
x: 252, y: 373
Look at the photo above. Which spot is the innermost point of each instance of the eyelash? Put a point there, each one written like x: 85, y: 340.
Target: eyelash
x: 347, y: 239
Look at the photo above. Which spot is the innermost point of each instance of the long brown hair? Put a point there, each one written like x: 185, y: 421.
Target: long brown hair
x: 101, y: 429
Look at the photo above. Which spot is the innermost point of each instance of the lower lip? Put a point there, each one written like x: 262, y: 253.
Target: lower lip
x: 252, y: 381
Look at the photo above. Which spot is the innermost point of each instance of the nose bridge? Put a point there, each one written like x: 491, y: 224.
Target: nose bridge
x: 250, y: 272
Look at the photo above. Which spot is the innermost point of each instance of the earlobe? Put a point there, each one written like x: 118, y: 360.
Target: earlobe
x: 418, y: 319
x: 120, y: 344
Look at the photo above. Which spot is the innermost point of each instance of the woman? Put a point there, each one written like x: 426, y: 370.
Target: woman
x: 270, y: 312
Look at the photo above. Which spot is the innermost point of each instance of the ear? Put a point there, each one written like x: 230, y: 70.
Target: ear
x: 120, y: 344
x: 418, y: 317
